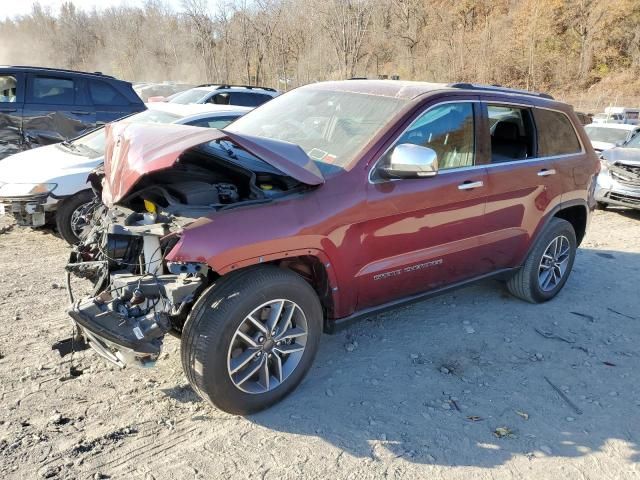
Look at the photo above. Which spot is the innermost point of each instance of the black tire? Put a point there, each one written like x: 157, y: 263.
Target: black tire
x: 65, y: 214
x: 525, y: 284
x: 211, y: 325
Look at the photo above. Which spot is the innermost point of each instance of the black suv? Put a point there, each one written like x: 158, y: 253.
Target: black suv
x: 39, y: 106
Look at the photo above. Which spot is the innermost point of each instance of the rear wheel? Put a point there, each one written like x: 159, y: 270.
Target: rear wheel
x: 251, y: 339
x: 548, y: 265
x: 72, y: 217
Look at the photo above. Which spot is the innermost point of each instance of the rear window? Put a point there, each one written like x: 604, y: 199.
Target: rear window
x: 194, y: 95
x: 556, y: 135
x: 52, y: 90
x: 104, y: 94
x: 8, y: 88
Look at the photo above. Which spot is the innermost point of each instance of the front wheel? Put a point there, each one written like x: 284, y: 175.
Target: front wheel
x: 251, y: 339
x: 72, y: 217
x: 548, y: 265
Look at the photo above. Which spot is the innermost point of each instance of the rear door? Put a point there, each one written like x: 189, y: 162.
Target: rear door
x: 559, y: 140
x: 523, y: 182
x: 11, y: 106
x: 423, y: 233
x: 109, y: 104
x: 55, y: 109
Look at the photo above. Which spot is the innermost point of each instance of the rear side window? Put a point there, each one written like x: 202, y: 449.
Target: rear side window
x: 8, y: 88
x: 52, y: 90
x: 556, y: 135
x: 245, y: 99
x: 104, y: 94
x: 511, y: 130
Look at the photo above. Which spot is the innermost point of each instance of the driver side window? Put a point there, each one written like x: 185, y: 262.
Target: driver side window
x: 448, y: 129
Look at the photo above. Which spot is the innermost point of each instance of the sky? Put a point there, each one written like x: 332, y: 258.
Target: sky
x: 11, y: 8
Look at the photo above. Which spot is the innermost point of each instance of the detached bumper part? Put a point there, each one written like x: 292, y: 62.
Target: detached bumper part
x: 26, y: 214
x: 128, y: 327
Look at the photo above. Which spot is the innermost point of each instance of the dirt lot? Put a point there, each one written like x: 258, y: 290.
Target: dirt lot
x: 451, y: 388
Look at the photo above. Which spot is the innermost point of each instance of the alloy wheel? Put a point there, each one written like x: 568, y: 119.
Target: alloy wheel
x: 267, y: 346
x: 80, y: 219
x: 553, y: 264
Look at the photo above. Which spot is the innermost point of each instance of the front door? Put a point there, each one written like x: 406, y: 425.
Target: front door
x: 422, y: 233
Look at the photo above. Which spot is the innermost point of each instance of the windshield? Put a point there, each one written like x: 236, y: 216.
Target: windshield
x: 95, y: 141
x: 195, y: 95
x: 331, y: 127
x: 634, y: 142
x: 608, y: 135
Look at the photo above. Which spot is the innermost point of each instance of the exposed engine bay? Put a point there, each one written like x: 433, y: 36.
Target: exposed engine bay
x: 138, y: 296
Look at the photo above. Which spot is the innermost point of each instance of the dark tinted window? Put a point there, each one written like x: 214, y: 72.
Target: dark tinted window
x: 216, y: 122
x: 246, y: 99
x: 104, y: 94
x: 556, y: 135
x: 511, y: 130
x: 57, y: 91
x: 8, y: 88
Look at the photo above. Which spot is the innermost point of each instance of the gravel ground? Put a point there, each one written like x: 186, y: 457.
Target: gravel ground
x: 451, y: 388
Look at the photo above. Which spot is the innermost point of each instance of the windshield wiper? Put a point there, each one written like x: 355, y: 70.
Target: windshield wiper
x: 69, y: 145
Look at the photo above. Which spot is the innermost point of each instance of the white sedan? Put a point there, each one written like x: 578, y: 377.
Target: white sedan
x: 608, y: 135
x: 48, y: 185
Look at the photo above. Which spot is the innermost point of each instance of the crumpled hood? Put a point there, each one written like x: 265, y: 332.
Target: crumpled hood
x: 44, y: 164
x: 134, y: 150
x: 627, y: 156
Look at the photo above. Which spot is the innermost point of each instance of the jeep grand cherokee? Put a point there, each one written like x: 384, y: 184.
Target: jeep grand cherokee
x: 330, y: 202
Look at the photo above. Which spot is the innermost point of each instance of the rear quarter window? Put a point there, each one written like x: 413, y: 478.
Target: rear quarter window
x: 104, y: 94
x: 556, y: 135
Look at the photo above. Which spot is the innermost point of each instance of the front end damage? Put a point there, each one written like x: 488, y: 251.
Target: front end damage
x: 138, y: 297
x: 618, y: 182
x: 158, y: 181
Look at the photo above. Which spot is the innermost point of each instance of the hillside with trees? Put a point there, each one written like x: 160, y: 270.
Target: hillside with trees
x: 587, y: 51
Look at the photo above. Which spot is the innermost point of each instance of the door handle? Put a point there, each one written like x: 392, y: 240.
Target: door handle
x: 8, y: 110
x: 545, y: 172
x: 468, y: 185
x: 79, y: 113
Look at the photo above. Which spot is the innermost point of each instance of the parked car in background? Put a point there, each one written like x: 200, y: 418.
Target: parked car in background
x: 333, y: 201
x: 244, y: 95
x: 619, y: 177
x: 148, y: 92
x: 40, y: 106
x: 625, y: 115
x: 608, y: 135
x: 49, y: 184
x: 584, y: 118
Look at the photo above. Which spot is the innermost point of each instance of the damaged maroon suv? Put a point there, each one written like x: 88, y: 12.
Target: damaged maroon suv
x: 328, y: 203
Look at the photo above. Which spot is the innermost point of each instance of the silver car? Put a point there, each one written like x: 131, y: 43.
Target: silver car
x: 619, y: 178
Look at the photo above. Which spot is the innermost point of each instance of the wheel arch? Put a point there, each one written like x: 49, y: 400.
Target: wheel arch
x: 313, y: 265
x: 577, y: 215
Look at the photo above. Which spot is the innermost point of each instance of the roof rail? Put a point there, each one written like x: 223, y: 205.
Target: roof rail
x: 53, y: 69
x: 250, y: 87
x: 228, y: 85
x: 498, y: 88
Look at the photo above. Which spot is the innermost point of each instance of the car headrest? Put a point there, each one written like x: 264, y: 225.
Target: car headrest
x: 506, y: 131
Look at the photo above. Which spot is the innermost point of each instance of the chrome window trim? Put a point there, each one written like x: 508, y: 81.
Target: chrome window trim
x: 488, y: 165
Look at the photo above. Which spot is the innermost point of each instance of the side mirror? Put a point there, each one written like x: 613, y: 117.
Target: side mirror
x: 411, y: 161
